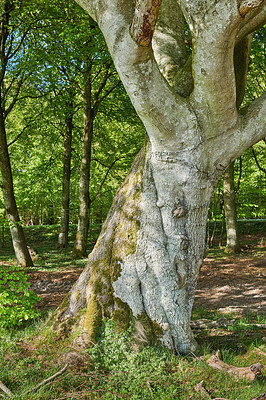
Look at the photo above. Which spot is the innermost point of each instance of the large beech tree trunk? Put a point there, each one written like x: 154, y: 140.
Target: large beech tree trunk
x: 146, y: 262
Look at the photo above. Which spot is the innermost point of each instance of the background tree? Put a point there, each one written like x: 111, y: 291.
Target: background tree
x: 13, y: 47
x: 64, y: 220
x: 242, y: 60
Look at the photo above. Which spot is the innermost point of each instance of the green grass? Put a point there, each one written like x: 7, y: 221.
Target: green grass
x: 43, y: 239
x: 245, y: 226
x: 118, y: 371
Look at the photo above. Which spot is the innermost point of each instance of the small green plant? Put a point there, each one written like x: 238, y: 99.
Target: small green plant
x: 16, y: 300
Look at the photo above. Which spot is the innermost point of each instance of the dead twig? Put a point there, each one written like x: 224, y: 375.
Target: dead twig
x: 50, y: 379
x: 149, y: 386
x: 5, y: 389
x: 199, y: 388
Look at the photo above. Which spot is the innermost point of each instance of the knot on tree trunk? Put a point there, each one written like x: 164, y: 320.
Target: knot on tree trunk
x: 178, y: 211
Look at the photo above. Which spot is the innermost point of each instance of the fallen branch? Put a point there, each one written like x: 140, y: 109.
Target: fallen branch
x: 50, y: 379
x: 199, y: 388
x: 261, y: 326
x: 5, y: 389
x: 239, y: 373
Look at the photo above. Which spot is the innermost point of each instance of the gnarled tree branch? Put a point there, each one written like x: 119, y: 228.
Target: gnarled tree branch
x: 245, y: 6
x: 144, y: 21
x: 254, y: 20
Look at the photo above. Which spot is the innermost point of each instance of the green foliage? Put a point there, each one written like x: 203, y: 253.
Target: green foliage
x: 155, y: 373
x: 114, y: 351
x: 250, y: 186
x: 257, y: 68
x: 5, y: 222
x: 60, y: 42
x: 16, y: 300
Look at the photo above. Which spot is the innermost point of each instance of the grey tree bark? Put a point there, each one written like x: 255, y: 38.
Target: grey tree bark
x: 145, y: 265
x: 64, y: 224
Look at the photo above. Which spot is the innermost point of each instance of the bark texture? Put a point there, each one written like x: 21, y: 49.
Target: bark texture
x: 145, y: 265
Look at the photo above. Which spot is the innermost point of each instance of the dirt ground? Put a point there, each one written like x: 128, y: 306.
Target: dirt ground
x: 226, y: 284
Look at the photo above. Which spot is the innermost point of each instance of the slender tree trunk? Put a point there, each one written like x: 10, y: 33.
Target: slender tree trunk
x: 80, y: 246
x: 232, y: 237
x: 17, y: 234
x: 64, y: 225
x: 241, y: 61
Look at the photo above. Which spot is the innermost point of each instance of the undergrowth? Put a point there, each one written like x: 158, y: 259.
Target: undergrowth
x: 119, y: 370
x: 16, y: 300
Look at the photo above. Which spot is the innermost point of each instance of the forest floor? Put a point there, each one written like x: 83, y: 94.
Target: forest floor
x: 235, y: 285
